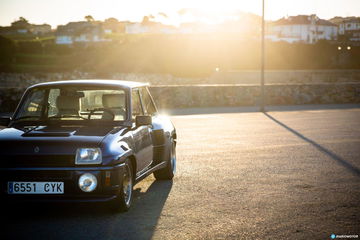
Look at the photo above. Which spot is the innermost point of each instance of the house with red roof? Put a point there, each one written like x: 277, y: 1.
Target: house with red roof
x: 302, y: 28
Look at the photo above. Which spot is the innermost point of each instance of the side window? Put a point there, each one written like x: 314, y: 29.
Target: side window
x: 53, y: 94
x: 148, y: 104
x: 136, y: 104
x: 33, y: 105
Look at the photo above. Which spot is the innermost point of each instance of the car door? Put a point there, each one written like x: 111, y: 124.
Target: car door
x: 141, y: 136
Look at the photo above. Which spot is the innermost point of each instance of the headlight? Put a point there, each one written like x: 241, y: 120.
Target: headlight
x: 88, y: 156
x: 87, y: 182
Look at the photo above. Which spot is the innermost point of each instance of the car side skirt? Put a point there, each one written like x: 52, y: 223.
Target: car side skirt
x: 149, y: 171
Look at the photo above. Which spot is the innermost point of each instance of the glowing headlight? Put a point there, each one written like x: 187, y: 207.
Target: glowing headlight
x: 87, y: 182
x: 88, y: 156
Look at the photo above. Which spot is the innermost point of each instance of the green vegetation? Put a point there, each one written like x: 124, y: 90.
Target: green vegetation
x: 30, y: 37
x: 7, y: 52
x: 180, y: 55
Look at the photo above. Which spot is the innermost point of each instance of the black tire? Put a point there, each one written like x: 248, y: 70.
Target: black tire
x: 123, y: 201
x: 168, y: 172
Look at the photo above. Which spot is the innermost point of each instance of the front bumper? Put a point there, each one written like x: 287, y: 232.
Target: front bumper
x: 106, y: 190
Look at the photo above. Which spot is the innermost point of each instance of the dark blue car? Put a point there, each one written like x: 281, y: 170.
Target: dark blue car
x: 84, y: 140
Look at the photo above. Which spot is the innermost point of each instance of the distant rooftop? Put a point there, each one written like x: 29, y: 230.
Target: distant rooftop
x: 338, y: 20
x: 303, y: 20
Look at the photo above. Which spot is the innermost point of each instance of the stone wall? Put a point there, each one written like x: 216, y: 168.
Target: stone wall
x: 230, y: 77
x: 191, y: 96
x: 288, y: 76
x: 170, y: 97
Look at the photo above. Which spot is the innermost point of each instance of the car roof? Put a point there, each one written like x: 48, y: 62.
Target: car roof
x: 93, y: 82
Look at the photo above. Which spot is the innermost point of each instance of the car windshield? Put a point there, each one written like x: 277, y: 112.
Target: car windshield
x: 73, y: 103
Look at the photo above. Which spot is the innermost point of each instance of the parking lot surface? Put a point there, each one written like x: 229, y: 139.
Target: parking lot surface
x: 278, y: 175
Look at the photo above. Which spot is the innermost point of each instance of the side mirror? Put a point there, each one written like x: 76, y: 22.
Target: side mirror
x: 4, y: 121
x: 143, y: 121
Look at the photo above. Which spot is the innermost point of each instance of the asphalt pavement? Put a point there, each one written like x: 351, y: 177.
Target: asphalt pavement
x: 248, y: 175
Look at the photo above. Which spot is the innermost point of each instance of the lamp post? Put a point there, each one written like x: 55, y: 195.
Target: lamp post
x: 262, y: 101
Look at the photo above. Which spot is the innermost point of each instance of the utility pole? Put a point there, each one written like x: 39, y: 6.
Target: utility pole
x: 262, y: 102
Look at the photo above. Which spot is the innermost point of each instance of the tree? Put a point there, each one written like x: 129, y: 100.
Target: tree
x: 22, y: 22
x: 7, y: 51
x: 183, y: 11
x: 23, y: 19
x: 162, y: 14
x: 145, y: 20
x: 111, y: 20
x: 89, y: 18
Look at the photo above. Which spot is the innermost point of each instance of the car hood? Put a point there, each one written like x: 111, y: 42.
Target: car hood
x: 50, y: 139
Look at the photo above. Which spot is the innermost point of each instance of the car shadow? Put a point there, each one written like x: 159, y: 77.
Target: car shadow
x: 335, y: 157
x: 87, y: 221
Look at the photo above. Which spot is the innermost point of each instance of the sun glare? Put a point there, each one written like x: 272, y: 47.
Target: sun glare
x: 176, y: 12
x: 168, y: 12
x: 215, y: 12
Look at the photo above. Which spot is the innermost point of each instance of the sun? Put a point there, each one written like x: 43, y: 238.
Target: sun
x: 213, y: 12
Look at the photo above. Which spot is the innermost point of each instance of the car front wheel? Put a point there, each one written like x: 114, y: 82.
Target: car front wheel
x: 123, y: 201
x: 168, y: 172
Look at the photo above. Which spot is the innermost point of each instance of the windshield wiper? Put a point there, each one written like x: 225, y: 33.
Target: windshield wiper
x: 26, y: 117
x: 67, y: 116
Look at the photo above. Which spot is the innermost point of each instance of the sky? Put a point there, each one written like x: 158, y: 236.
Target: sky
x: 56, y: 12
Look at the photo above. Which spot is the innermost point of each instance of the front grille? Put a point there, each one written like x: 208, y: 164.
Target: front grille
x: 37, y: 161
x: 33, y: 176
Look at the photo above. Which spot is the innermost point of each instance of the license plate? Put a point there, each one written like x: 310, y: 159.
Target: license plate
x: 35, y: 187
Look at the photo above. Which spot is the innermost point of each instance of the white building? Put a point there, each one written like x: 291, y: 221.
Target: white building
x: 349, y: 27
x: 302, y: 28
x: 79, y: 32
x: 349, y: 24
x: 136, y: 28
x: 149, y: 27
x: 40, y: 29
x: 64, y: 40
